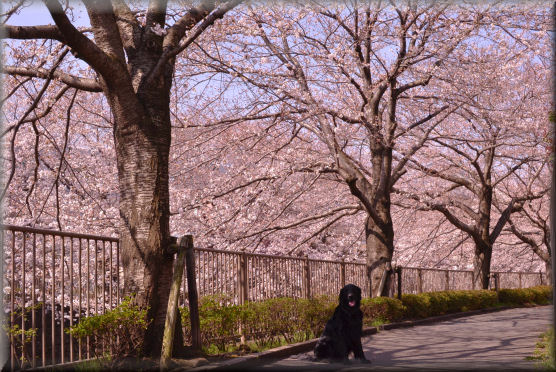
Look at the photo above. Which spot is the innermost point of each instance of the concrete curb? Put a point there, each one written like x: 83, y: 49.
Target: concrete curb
x: 252, y: 360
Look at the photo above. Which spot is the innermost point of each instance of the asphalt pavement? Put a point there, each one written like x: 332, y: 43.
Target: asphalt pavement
x: 500, y: 340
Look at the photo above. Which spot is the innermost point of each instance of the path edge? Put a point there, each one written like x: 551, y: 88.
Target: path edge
x: 264, y: 357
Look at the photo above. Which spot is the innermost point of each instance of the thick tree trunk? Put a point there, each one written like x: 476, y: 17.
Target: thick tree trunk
x: 142, y: 137
x: 380, y: 249
x: 481, y: 265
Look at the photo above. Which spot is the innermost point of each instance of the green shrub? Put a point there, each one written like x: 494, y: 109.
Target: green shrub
x: 381, y: 310
x: 416, y: 305
x: 515, y: 296
x: 126, y: 322
x: 272, y: 319
x: 317, y: 312
x: 219, y: 320
x: 445, y: 302
x: 543, y: 294
x: 278, y: 321
x: 266, y: 323
x: 540, y: 295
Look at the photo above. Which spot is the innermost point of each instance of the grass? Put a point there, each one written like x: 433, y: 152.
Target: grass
x: 92, y: 365
x: 378, y: 322
x: 250, y: 346
x: 544, y: 351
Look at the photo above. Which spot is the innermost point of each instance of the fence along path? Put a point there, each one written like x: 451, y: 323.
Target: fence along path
x: 52, y: 279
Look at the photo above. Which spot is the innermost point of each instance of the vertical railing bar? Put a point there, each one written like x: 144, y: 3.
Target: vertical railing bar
x: 103, y: 286
x: 33, y: 304
x: 111, y: 273
x: 212, y: 259
x: 199, y: 270
x: 104, y: 276
x: 43, y: 320
x: 118, y: 299
x: 88, y: 293
x: 23, y: 287
x: 71, y: 298
x: 220, y: 274
x: 12, y: 306
x: 96, y: 277
x: 214, y: 272
x: 53, y: 301
x: 62, y: 304
x: 79, y: 352
x: 205, y: 263
x: 96, y: 288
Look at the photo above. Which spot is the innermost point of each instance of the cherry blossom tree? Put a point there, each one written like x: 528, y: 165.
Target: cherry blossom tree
x: 128, y: 54
x: 492, y: 144
x: 355, y: 78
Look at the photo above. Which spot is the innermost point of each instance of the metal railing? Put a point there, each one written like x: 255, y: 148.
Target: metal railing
x: 52, y: 279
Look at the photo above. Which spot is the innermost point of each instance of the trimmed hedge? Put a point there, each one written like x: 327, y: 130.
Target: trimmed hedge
x: 381, y: 309
x: 540, y: 295
x: 445, y: 302
x: 286, y: 320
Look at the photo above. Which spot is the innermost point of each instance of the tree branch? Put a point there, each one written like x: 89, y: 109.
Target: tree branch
x: 77, y: 82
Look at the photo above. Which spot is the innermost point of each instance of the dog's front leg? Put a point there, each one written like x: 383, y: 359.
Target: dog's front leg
x: 358, y: 353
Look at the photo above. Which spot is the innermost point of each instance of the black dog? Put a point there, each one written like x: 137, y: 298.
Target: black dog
x: 342, y: 333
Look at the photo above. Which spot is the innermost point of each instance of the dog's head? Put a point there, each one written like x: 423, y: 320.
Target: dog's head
x: 350, y: 296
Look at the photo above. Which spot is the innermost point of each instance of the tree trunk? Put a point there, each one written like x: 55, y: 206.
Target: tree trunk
x: 380, y: 249
x: 142, y: 138
x: 481, y: 265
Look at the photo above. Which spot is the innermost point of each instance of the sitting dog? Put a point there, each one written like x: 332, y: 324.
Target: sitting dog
x: 342, y: 333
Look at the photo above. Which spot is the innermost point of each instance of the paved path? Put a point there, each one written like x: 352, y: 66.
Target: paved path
x: 495, y: 341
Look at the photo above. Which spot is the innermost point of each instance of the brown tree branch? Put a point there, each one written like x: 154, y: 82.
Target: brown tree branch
x: 81, y: 83
x: 82, y: 46
x: 32, y: 32
x: 173, y: 46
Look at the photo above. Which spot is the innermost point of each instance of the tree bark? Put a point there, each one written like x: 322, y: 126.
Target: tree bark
x: 380, y: 249
x: 481, y: 265
x: 142, y: 139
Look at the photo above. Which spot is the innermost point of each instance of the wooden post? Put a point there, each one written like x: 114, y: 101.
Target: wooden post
x: 192, y: 293
x: 520, y: 285
x: 540, y: 273
x: 243, y: 285
x: 497, y: 282
x: 447, y: 280
x: 420, y: 277
x: 172, y: 311
x: 343, y: 272
x: 307, y: 277
x: 399, y: 271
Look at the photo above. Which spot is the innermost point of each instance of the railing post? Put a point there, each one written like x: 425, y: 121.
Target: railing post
x: 193, y: 297
x: 307, y: 277
x: 497, y: 282
x: 186, y: 243
x: 420, y: 282
x: 399, y: 271
x: 540, y: 274
x: 243, y: 285
x: 520, y: 284
x: 343, y: 272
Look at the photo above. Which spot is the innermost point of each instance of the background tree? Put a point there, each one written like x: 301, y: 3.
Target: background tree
x: 479, y: 155
x: 131, y: 59
x: 347, y: 76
